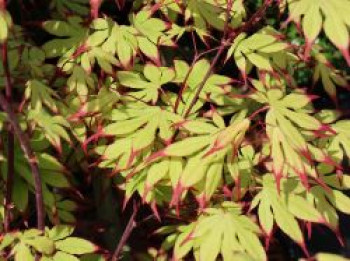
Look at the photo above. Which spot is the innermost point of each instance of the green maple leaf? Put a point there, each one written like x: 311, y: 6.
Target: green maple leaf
x: 234, y: 234
x: 150, y: 87
x: 39, y: 94
x: 329, y: 76
x: 284, y: 208
x: 339, y: 144
x: 333, y: 200
x: 123, y: 42
x: 215, y: 88
x: 153, y: 184
x: 80, y: 83
x: 5, y: 24
x: 151, y: 34
x: 241, y: 169
x: 335, y: 23
x: 136, y: 128
x: 53, y: 175
x: 54, y: 127
x: 205, y: 154
x: 212, y: 13
x: 63, y: 6
x: 81, y: 43
x: 263, y: 50
x: 289, y: 125
x: 72, y: 35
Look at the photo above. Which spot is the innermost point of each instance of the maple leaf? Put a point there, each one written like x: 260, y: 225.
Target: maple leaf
x: 234, y: 235
x: 5, y: 24
x: 335, y: 23
x: 287, y: 123
x: 264, y: 50
x: 39, y: 94
x: 63, y: 6
x: 215, y: 88
x: 53, y: 175
x: 54, y: 127
x: 80, y: 43
x: 72, y: 34
x: 212, y: 13
x: 284, y: 207
x: 135, y: 128
x: 339, y: 144
x: 206, y: 154
x: 151, y: 34
x: 149, y: 87
x: 329, y: 76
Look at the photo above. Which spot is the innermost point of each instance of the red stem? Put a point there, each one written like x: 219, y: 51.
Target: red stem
x: 184, y: 82
x: 30, y: 155
x: 214, y: 61
x: 94, y: 7
x: 254, y: 114
x: 127, y: 232
x: 10, y: 142
x: 226, y: 39
x: 2, y: 5
x: 10, y: 136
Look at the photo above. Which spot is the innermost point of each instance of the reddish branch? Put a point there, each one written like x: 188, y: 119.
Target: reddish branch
x: 30, y: 155
x: 94, y: 7
x: 10, y: 136
x: 6, y: 105
x: 10, y: 142
x: 184, y: 82
x: 225, y: 41
x: 127, y: 232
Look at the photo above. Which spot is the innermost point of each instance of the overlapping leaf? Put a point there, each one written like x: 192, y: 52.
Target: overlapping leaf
x: 63, y: 6
x: 213, y: 13
x: 53, y: 175
x: 264, y: 50
x: 190, y: 79
x: 136, y: 128
x: 72, y: 35
x: 329, y: 76
x: 335, y: 23
x: 151, y: 34
x: 5, y: 24
x: 79, y: 42
x: 54, y: 127
x: 150, y: 87
x: 55, y: 244
x: 328, y: 202
x: 339, y: 145
x: 80, y: 83
x: 234, y: 234
x: 40, y: 94
x: 206, y: 154
x: 284, y: 208
x: 287, y: 123
x: 123, y: 42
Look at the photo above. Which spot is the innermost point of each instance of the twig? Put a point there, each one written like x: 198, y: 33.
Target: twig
x: 10, y: 142
x: 127, y: 232
x: 184, y: 82
x: 10, y: 136
x: 214, y: 61
x: 254, y: 114
x: 32, y: 160
x: 227, y: 38
x: 94, y: 8
x: 254, y: 19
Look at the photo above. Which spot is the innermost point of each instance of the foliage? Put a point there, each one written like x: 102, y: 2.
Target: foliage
x: 55, y: 244
x: 225, y: 119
